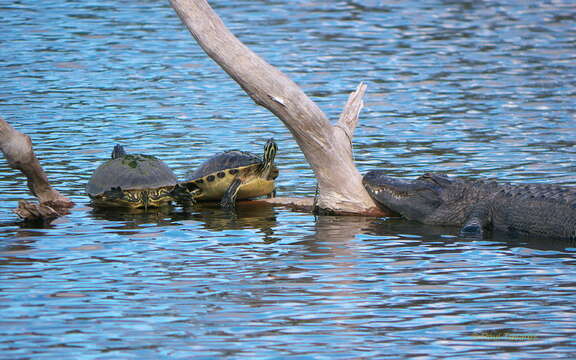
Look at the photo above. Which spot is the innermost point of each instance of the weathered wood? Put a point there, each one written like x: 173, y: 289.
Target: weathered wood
x: 44, y: 212
x: 307, y: 205
x: 18, y: 151
x: 327, y: 148
x: 298, y: 204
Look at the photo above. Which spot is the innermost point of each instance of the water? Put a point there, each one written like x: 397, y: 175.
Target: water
x: 465, y: 87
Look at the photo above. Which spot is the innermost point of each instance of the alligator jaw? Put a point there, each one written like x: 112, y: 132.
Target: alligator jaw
x: 379, y: 190
x: 386, y: 191
x: 376, y: 192
x: 376, y: 183
x: 413, y: 199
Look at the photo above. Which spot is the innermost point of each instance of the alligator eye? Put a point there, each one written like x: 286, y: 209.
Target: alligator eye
x: 436, y: 178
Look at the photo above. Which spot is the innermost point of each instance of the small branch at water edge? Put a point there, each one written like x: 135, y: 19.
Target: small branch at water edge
x: 307, y: 205
x: 18, y: 151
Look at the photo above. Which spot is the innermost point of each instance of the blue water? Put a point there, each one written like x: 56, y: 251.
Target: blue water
x: 465, y: 87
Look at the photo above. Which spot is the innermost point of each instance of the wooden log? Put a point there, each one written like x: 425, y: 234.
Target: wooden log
x: 18, y: 151
x: 327, y: 148
x: 307, y: 205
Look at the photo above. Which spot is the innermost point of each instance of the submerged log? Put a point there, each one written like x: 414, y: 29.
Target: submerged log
x: 18, y: 151
x: 327, y: 147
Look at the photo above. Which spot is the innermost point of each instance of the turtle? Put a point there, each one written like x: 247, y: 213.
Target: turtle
x: 233, y: 175
x: 132, y: 180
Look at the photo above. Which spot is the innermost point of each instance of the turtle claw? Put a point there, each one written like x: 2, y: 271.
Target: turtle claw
x: 227, y: 204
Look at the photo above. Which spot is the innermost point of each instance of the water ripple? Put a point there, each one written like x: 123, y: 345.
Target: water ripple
x: 465, y: 87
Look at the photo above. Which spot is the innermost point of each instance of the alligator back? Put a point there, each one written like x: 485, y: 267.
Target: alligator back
x: 535, y: 209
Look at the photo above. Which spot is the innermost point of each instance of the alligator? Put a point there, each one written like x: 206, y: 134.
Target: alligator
x: 478, y: 204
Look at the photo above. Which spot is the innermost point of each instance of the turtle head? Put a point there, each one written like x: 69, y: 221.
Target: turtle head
x: 118, y: 151
x: 270, y: 149
x: 115, y: 193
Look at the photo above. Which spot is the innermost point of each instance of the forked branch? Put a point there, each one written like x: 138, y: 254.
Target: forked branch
x: 327, y: 148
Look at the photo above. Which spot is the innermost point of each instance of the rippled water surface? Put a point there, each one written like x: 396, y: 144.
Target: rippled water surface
x: 472, y: 88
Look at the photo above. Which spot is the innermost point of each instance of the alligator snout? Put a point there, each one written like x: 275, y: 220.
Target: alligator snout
x: 375, y: 178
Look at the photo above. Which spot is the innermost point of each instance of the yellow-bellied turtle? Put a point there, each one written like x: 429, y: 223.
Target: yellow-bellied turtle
x: 131, y: 180
x: 234, y: 175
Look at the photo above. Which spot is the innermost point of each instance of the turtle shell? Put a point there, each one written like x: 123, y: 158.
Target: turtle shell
x: 232, y: 159
x: 216, y: 174
x: 125, y: 180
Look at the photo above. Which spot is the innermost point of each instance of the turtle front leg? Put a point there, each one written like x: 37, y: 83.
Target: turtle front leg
x: 185, y: 194
x: 229, y: 199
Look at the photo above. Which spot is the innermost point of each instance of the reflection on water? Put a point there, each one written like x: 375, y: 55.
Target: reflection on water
x: 212, y: 217
x: 473, y: 88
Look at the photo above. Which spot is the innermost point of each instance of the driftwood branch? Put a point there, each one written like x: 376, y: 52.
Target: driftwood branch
x: 327, y: 148
x: 18, y: 151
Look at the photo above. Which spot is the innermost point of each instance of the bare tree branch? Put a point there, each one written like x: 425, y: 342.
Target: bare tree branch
x: 18, y: 151
x: 327, y: 148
